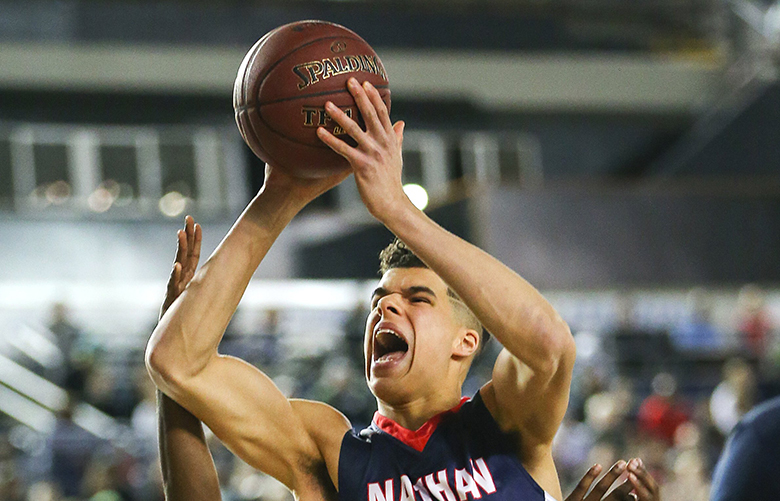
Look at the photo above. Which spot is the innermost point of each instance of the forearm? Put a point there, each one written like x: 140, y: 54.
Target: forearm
x: 507, y: 305
x: 187, y: 336
x: 188, y: 470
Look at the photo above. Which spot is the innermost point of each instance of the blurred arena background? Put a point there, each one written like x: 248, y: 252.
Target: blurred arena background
x: 622, y: 156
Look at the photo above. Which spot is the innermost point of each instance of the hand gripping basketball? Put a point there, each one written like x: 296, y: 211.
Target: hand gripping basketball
x: 376, y: 160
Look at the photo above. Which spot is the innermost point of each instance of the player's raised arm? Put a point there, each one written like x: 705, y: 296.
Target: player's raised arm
x: 238, y: 402
x: 531, y: 380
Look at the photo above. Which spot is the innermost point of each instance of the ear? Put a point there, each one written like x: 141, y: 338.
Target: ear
x: 466, y: 344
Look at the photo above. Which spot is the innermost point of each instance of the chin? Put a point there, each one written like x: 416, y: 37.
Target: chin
x: 390, y: 391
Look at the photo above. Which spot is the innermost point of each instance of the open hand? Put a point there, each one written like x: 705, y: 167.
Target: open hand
x: 186, y: 262
x: 376, y: 160
x: 639, y: 481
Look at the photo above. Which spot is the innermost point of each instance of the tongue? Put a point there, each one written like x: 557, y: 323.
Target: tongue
x: 388, y: 344
x: 392, y: 355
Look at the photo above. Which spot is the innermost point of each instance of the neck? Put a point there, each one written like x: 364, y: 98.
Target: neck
x: 412, y: 415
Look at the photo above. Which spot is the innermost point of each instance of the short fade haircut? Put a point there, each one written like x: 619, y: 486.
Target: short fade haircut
x: 398, y: 255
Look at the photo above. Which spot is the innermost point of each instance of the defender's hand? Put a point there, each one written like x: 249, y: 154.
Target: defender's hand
x: 376, y: 161
x: 639, y: 480
x: 186, y: 262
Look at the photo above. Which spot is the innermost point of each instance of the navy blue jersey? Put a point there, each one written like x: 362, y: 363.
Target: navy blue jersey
x: 456, y: 456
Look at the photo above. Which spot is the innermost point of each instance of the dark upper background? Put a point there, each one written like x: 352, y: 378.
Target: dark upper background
x: 645, y: 181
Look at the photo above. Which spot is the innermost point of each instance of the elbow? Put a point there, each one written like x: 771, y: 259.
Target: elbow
x: 160, y: 365
x: 559, y: 349
x: 155, y: 363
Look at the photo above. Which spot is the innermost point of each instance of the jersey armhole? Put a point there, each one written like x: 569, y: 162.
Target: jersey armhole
x: 481, y: 408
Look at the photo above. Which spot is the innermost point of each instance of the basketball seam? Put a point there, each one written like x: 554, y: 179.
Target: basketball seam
x: 315, y: 94
x: 321, y: 146
x: 250, y: 62
x: 279, y: 133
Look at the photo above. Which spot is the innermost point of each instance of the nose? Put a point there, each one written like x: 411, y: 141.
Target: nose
x: 389, y: 303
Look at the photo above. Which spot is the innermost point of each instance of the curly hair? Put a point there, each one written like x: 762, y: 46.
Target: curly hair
x: 398, y: 255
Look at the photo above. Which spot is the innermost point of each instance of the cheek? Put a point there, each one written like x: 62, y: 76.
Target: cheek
x: 370, y: 322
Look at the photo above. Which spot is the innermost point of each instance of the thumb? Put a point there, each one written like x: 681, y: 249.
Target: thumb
x: 399, y: 131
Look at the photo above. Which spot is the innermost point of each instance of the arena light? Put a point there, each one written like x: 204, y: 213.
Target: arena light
x: 35, y: 345
x: 58, y: 192
x: 31, y: 385
x: 172, y: 204
x: 26, y: 411
x: 100, y: 200
x: 417, y: 195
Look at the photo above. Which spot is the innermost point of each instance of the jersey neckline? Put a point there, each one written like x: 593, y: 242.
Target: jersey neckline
x: 416, y: 439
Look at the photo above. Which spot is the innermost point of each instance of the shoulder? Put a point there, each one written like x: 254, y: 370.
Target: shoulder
x: 325, y: 424
x: 327, y: 427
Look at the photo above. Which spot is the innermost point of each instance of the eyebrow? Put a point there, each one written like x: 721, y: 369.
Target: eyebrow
x: 409, y: 291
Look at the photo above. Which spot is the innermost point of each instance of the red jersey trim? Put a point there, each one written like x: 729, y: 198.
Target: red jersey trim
x: 415, y: 439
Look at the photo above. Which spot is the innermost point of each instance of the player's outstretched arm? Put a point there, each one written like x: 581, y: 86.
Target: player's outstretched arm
x: 187, y: 466
x: 537, y: 363
x: 639, y: 481
x: 239, y: 403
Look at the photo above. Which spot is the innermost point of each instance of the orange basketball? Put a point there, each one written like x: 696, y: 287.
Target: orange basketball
x: 282, y: 86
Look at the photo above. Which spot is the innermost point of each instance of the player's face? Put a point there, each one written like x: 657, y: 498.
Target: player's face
x: 410, y: 333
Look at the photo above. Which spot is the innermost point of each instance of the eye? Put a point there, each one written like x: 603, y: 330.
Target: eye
x: 420, y: 299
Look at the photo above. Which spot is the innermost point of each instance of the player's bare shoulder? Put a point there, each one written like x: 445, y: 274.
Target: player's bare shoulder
x: 326, y: 426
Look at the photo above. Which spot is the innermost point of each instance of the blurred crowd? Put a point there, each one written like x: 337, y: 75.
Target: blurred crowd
x: 670, y: 396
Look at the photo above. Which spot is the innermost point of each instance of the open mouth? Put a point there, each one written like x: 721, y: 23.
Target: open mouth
x: 388, y: 345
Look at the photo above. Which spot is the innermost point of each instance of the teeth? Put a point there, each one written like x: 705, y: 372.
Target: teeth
x: 388, y: 331
x: 388, y: 345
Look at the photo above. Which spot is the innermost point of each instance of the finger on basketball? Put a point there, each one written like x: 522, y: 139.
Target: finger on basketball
x: 336, y: 144
x: 350, y: 126
x: 379, y: 105
x: 584, y: 484
x: 365, y: 106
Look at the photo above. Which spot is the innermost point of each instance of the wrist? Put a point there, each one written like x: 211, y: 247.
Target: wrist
x: 398, y: 215
x: 272, y: 209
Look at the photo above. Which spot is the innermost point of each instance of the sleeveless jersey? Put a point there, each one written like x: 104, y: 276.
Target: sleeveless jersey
x: 458, y: 455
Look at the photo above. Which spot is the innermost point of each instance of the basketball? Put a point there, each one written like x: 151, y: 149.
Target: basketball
x: 283, y: 84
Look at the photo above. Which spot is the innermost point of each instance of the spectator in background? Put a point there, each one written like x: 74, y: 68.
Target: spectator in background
x: 269, y: 347
x: 354, y: 331
x: 688, y: 477
x: 750, y: 464
x: 697, y: 333
x: 571, y: 447
x: 67, y: 335
x: 661, y: 413
x: 71, y: 449
x: 753, y: 321
x: 102, y: 480
x: 71, y: 373
x: 733, y: 396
